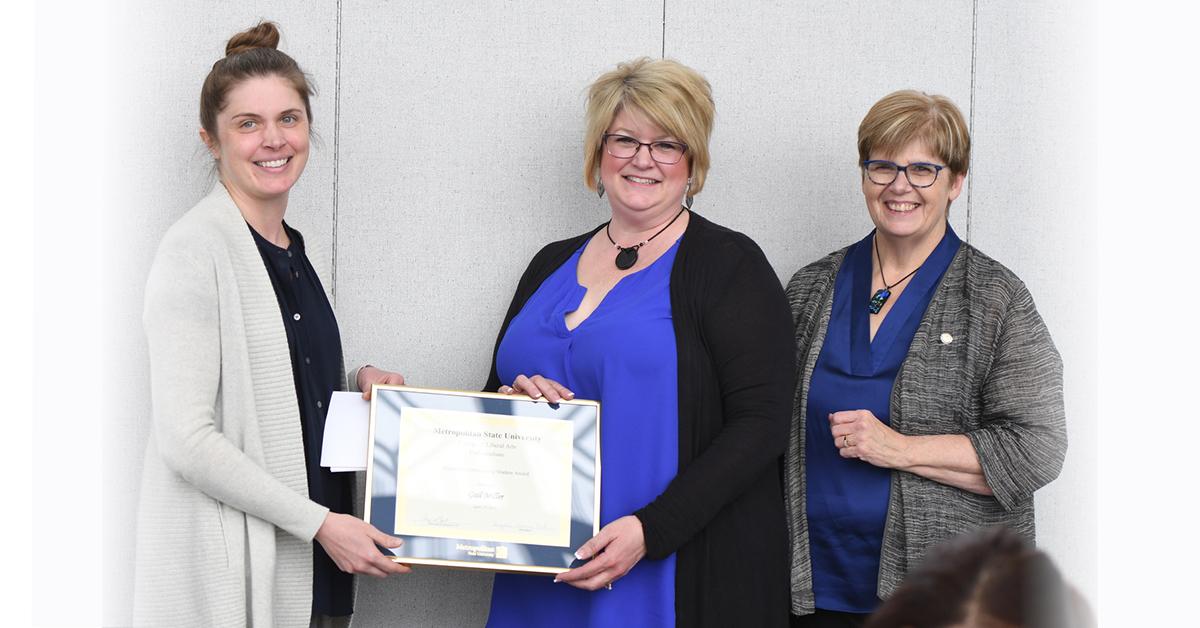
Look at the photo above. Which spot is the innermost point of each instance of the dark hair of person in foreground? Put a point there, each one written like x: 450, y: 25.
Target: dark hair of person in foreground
x: 992, y: 578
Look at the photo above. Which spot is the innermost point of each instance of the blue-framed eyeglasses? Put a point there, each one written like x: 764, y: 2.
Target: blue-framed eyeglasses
x: 625, y: 147
x: 884, y: 172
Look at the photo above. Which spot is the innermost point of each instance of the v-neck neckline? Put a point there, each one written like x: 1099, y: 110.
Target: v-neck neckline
x: 580, y: 290
x: 869, y: 354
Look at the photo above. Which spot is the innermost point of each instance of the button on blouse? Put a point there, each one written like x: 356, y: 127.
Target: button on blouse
x: 316, y: 351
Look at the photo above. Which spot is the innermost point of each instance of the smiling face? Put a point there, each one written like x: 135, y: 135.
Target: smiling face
x: 262, y: 140
x: 640, y: 189
x: 901, y: 211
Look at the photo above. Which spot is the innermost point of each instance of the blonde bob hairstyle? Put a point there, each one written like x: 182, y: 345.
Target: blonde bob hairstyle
x: 908, y: 115
x: 669, y: 94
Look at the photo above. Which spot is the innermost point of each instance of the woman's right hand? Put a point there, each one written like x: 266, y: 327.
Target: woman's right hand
x: 537, y: 387
x: 350, y: 542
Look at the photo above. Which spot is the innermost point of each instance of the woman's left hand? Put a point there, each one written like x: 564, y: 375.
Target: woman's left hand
x: 613, y: 552
x: 859, y: 434
x: 369, y: 375
x: 537, y: 387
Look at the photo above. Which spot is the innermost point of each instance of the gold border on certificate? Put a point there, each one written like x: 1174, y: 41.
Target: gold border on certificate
x: 483, y: 480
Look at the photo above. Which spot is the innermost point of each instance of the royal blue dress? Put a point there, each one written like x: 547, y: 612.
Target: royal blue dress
x: 623, y: 355
x: 846, y: 498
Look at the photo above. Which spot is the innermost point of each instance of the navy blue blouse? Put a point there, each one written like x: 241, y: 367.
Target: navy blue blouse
x: 847, y: 498
x: 316, y: 350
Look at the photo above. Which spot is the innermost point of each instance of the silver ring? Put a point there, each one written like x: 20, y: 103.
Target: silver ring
x: 608, y: 586
x: 846, y: 440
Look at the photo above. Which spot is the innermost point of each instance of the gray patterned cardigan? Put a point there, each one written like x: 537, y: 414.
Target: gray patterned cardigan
x: 998, y: 380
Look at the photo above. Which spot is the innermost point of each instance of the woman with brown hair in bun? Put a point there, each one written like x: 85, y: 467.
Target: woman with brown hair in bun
x: 244, y: 357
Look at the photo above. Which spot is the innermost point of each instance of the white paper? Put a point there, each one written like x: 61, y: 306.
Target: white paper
x: 344, y: 447
x: 484, y: 476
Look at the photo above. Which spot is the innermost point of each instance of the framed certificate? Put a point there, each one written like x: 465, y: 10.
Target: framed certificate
x: 482, y: 480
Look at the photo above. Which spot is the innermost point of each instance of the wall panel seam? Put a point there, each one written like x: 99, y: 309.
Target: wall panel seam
x: 664, y: 31
x: 971, y: 105
x: 337, y: 138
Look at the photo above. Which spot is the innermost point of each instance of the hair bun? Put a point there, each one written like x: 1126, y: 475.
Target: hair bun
x: 264, y: 35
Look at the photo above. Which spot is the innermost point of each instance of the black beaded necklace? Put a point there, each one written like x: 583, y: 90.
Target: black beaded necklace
x: 882, y: 295
x: 629, y: 254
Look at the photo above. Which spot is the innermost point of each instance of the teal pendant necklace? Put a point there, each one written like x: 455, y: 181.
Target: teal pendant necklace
x: 882, y: 295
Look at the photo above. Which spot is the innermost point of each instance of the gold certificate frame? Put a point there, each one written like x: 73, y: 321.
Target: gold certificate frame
x: 483, y: 480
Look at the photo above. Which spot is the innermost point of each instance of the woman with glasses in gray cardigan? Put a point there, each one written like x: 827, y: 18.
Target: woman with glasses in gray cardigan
x: 929, y: 400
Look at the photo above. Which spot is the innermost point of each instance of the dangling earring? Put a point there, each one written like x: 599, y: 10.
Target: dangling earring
x: 687, y: 197
x: 599, y: 188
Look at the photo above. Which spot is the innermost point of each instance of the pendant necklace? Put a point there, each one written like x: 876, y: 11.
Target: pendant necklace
x: 882, y: 295
x: 629, y: 254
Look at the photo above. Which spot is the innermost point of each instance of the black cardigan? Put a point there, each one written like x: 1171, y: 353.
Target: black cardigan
x: 723, y: 511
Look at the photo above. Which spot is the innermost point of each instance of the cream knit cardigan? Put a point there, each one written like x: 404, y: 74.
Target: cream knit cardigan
x: 225, y: 524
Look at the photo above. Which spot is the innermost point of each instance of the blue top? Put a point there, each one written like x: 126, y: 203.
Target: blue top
x: 846, y: 498
x: 316, y: 350
x: 623, y: 355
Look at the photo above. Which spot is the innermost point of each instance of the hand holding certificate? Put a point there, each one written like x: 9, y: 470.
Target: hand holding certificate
x: 483, y: 480
x: 610, y: 554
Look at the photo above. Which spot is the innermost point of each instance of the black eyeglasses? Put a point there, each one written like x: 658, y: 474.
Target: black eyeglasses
x: 883, y: 172
x: 625, y: 147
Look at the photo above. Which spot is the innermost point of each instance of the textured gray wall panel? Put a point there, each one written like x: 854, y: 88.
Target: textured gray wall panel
x: 792, y: 81
x: 460, y: 155
x: 450, y: 151
x: 1033, y: 208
